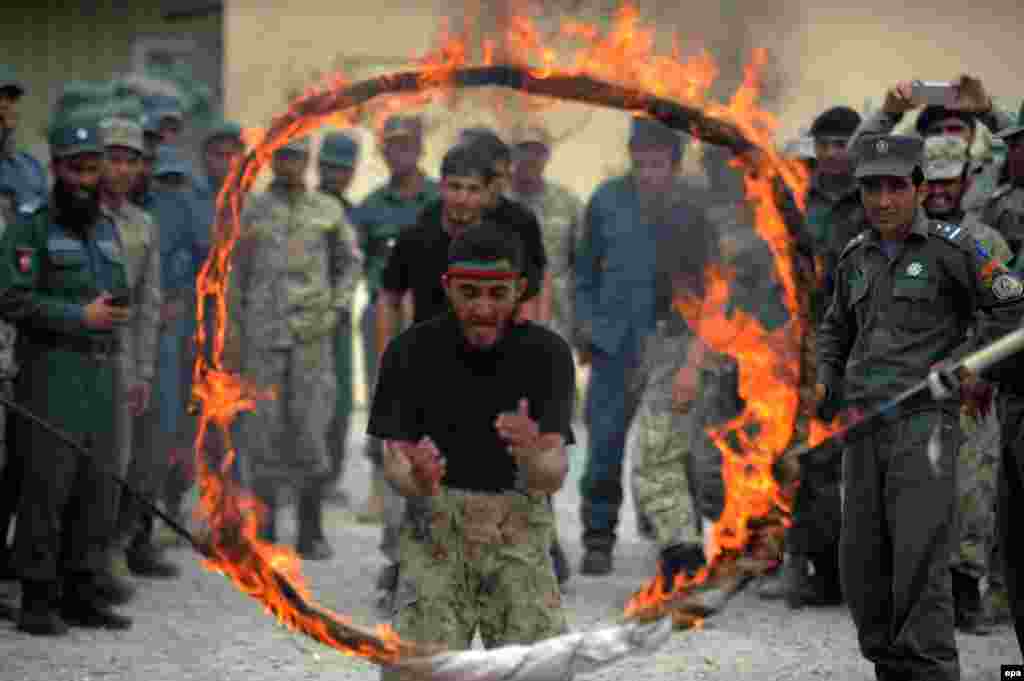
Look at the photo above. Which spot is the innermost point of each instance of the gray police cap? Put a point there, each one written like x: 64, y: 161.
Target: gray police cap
x: 887, y: 155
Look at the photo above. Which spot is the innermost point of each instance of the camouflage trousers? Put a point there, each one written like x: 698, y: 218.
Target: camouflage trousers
x: 660, y: 445
x: 284, y: 439
x: 471, y: 561
x: 978, y: 463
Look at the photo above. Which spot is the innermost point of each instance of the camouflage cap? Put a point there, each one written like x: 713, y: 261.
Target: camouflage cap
x: 801, y: 148
x: 339, y: 149
x: 169, y: 161
x: 1013, y: 130
x: 223, y: 128
x: 165, y: 106
x: 649, y: 132
x: 531, y: 134
x: 401, y: 126
x: 297, y: 145
x: 122, y: 132
x: 945, y: 157
x: 9, y: 80
x: 70, y: 138
x: 887, y: 155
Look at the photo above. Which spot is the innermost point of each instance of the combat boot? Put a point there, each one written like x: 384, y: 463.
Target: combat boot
x: 560, y: 563
x: 597, y: 562
x: 312, y: 543
x: 113, y: 589
x: 146, y: 560
x: 81, y: 606
x: 39, y: 615
x: 970, y: 616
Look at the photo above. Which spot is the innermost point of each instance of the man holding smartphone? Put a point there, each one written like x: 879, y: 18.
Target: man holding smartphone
x: 953, y: 108
x: 57, y: 272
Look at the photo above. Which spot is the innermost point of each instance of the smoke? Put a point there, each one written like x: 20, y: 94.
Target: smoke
x: 824, y: 54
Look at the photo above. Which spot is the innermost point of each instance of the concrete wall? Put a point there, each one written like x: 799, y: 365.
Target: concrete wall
x: 52, y: 42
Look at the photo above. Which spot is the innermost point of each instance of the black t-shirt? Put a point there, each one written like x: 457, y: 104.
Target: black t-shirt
x: 432, y: 383
x: 522, y: 221
x: 420, y: 256
x: 417, y: 263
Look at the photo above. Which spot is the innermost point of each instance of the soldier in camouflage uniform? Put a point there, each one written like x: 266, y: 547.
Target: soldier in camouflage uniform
x: 667, y: 478
x: 474, y: 545
x: 338, y: 155
x: 285, y: 311
x: 1004, y: 210
x: 947, y: 172
x: 559, y: 212
x: 123, y: 140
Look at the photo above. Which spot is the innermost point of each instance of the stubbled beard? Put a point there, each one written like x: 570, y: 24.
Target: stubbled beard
x: 78, y: 210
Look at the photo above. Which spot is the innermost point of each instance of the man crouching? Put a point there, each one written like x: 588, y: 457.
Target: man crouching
x: 475, y: 411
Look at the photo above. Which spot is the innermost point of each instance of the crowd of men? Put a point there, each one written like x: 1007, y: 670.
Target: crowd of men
x: 485, y: 286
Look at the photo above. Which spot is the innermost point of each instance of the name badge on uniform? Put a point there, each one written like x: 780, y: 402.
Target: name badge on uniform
x: 23, y: 259
x: 1007, y: 287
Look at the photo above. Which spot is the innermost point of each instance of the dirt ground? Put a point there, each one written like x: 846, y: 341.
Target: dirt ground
x: 199, y: 628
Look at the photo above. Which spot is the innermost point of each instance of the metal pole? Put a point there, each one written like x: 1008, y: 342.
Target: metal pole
x: 82, y: 451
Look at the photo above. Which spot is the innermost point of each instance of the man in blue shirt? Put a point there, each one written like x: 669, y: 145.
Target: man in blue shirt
x: 616, y: 310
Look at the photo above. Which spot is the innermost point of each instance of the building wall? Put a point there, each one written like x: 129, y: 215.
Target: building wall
x: 51, y: 42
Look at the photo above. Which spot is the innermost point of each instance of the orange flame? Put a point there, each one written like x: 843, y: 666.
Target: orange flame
x: 768, y: 360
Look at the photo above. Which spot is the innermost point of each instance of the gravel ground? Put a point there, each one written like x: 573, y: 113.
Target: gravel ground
x: 198, y: 628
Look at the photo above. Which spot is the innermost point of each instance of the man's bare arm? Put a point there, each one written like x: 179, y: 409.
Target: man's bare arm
x: 414, y: 469
x: 543, y: 464
x: 389, y: 312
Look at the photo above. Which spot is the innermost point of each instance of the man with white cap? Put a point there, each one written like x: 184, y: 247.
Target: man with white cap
x: 122, y: 164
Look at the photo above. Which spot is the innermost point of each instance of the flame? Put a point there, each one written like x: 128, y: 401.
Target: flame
x: 769, y: 360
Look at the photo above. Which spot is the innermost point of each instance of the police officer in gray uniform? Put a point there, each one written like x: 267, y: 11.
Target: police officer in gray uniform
x: 907, y: 293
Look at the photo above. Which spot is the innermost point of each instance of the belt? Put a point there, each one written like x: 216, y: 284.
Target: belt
x: 98, y: 347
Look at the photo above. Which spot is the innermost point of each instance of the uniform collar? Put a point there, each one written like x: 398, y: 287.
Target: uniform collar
x: 391, y: 191
x: 280, y: 191
x: 919, y: 228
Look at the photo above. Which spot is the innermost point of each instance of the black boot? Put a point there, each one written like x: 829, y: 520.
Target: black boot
x: 560, y: 563
x: 795, y: 582
x: 268, y: 527
x: 113, y: 589
x: 312, y: 544
x: 970, y: 615
x: 146, y: 560
x: 39, y: 615
x: 597, y: 562
x: 81, y: 606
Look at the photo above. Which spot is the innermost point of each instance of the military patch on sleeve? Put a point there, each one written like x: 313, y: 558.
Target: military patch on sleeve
x: 23, y: 259
x: 1007, y: 287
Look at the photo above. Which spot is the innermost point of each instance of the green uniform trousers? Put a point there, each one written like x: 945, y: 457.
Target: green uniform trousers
x: 68, y: 505
x: 899, y: 514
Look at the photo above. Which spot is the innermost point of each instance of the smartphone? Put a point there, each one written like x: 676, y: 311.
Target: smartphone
x: 121, y: 300
x: 930, y: 92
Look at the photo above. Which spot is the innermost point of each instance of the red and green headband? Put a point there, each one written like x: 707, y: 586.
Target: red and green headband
x: 482, y: 269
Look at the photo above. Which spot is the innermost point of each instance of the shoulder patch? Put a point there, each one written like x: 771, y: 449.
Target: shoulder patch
x: 1007, y: 287
x: 956, y: 234
x: 852, y: 245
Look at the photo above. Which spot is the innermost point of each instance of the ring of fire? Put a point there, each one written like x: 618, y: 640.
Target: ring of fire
x: 617, y: 70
